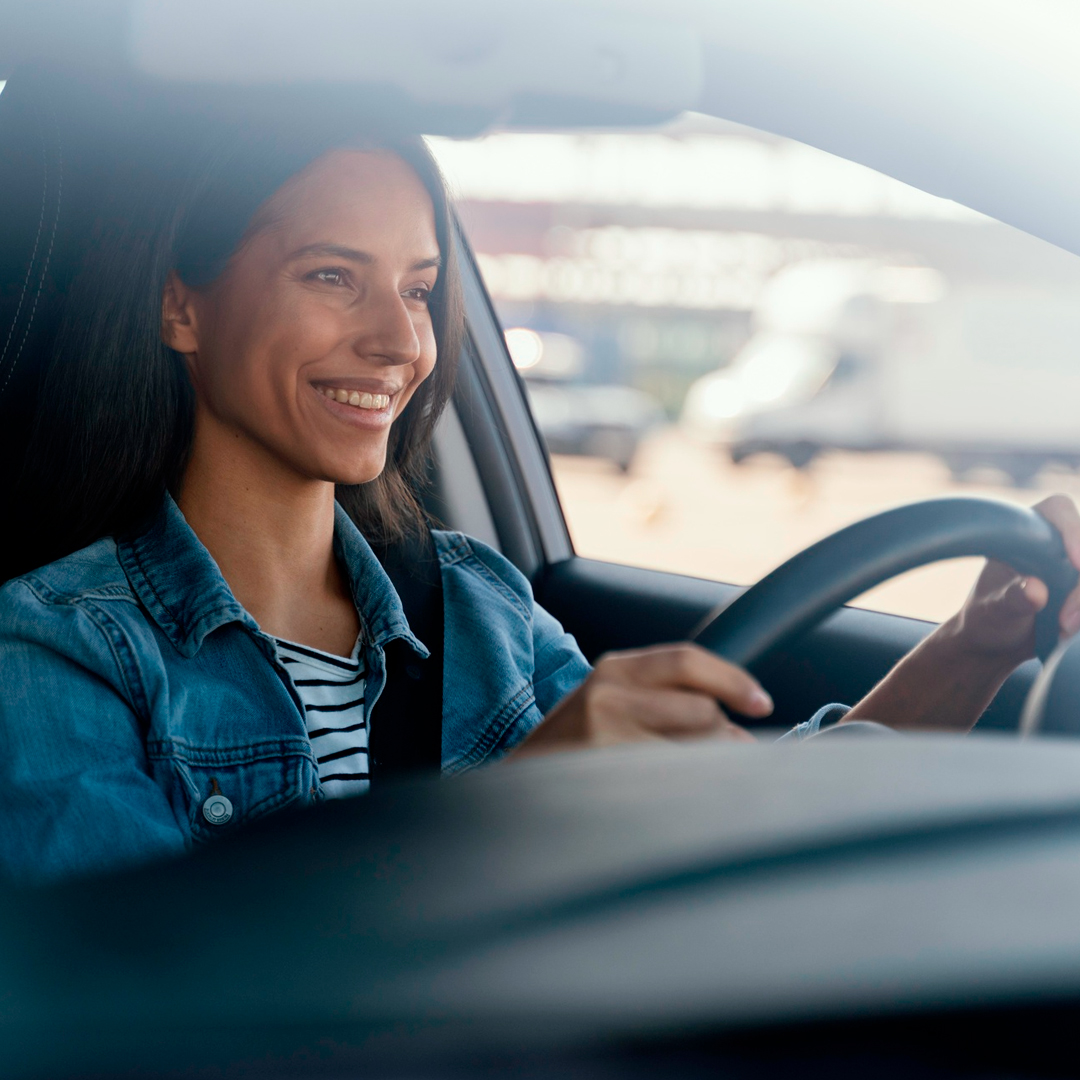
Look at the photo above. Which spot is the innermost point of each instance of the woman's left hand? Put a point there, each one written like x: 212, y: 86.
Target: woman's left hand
x: 998, y: 618
x: 948, y: 680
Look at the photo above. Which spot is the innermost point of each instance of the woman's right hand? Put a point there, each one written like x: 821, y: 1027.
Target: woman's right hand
x: 661, y: 692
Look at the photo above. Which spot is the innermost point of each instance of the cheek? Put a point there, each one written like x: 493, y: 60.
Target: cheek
x: 256, y: 362
x: 428, y: 353
x: 425, y: 363
x: 288, y: 334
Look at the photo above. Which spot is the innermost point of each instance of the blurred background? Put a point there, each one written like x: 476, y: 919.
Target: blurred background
x: 735, y: 344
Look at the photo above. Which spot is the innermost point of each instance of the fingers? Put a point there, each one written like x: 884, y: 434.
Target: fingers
x: 1069, y: 619
x: 1026, y: 596
x: 1022, y: 597
x: 690, y: 667
x: 1061, y: 512
x: 621, y: 712
x: 667, y: 691
x: 997, y: 619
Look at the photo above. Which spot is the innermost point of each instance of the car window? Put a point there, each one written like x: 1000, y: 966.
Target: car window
x: 735, y: 344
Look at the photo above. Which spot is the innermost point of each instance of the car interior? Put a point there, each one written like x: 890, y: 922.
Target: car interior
x: 491, y: 477
x: 553, y: 920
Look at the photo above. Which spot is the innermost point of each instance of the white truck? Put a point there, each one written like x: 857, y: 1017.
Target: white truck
x: 860, y: 356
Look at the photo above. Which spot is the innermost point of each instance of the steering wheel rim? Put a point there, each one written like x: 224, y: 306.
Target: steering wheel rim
x: 823, y: 577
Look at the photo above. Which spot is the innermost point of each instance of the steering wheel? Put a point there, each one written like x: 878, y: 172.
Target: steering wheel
x: 822, y: 578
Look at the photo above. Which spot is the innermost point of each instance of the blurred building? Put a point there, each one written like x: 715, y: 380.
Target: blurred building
x: 653, y: 250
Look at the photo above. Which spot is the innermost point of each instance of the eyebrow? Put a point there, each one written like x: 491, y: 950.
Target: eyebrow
x: 338, y: 251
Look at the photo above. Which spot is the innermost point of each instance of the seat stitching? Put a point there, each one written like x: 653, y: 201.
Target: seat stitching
x: 33, y: 253
x: 48, y: 255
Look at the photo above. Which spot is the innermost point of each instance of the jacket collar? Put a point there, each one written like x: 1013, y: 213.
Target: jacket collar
x: 180, y: 585
x: 373, y: 592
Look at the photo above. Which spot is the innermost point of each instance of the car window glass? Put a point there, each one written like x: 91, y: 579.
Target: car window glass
x: 735, y: 344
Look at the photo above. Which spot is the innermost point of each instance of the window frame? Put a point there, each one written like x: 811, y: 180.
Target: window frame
x: 507, y: 448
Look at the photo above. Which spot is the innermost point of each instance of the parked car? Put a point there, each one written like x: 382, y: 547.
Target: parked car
x: 575, y: 416
x: 886, y: 907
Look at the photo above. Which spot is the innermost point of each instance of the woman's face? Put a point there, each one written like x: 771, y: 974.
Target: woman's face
x: 318, y: 333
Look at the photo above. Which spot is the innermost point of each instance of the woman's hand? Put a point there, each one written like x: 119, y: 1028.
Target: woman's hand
x: 998, y: 618
x: 662, y: 692
x: 948, y: 681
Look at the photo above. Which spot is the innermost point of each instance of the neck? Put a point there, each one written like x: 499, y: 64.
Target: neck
x: 271, y: 532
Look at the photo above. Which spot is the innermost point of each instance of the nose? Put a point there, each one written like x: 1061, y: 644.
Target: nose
x: 386, y: 329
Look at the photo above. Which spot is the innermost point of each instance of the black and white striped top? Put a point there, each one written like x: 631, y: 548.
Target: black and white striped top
x: 332, y: 690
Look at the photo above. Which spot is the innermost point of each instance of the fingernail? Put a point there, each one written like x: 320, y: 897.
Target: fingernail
x: 760, y: 702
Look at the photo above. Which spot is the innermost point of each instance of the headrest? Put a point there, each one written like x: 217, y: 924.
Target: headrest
x: 66, y: 151
x: 72, y: 149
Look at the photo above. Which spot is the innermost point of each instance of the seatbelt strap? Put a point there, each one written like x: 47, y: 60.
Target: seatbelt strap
x: 406, y: 722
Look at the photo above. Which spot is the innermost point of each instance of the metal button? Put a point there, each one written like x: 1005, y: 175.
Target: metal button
x: 217, y: 809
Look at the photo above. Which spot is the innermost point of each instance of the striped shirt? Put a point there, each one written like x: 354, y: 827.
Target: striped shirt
x: 332, y: 690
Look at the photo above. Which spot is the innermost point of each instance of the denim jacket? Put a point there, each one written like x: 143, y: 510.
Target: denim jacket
x: 134, y: 686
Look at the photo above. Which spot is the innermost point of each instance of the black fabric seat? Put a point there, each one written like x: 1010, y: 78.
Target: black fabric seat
x: 58, y: 171
x: 32, y: 266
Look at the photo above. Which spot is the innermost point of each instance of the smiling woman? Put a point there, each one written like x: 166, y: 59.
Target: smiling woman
x: 224, y: 226
x: 265, y: 344
x: 229, y: 427
x: 310, y: 344
x: 234, y: 411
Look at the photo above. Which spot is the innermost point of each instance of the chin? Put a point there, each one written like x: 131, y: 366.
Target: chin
x: 352, y: 475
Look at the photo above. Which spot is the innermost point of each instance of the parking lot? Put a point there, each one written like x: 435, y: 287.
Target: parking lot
x: 687, y: 509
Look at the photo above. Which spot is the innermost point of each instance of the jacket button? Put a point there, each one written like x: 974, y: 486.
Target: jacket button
x: 217, y: 809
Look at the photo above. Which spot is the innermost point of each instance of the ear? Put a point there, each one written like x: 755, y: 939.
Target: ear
x: 179, y: 322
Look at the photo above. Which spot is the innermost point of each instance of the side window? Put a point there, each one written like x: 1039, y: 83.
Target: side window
x: 735, y: 344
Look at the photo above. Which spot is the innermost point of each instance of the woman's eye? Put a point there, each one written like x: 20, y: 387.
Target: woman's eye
x: 421, y: 293
x: 329, y: 276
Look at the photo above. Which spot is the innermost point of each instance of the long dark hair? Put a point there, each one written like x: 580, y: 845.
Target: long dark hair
x: 115, y: 410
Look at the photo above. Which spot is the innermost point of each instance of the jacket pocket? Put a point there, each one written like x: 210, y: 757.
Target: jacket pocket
x: 217, y: 790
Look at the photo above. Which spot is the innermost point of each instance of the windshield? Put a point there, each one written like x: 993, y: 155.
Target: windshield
x: 797, y: 342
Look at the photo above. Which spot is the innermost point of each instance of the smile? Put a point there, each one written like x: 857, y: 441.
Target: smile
x: 356, y: 398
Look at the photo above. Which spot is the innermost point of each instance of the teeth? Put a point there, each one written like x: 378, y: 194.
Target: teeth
x: 356, y: 398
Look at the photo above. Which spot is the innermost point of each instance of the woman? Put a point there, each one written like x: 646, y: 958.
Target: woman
x: 241, y: 393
